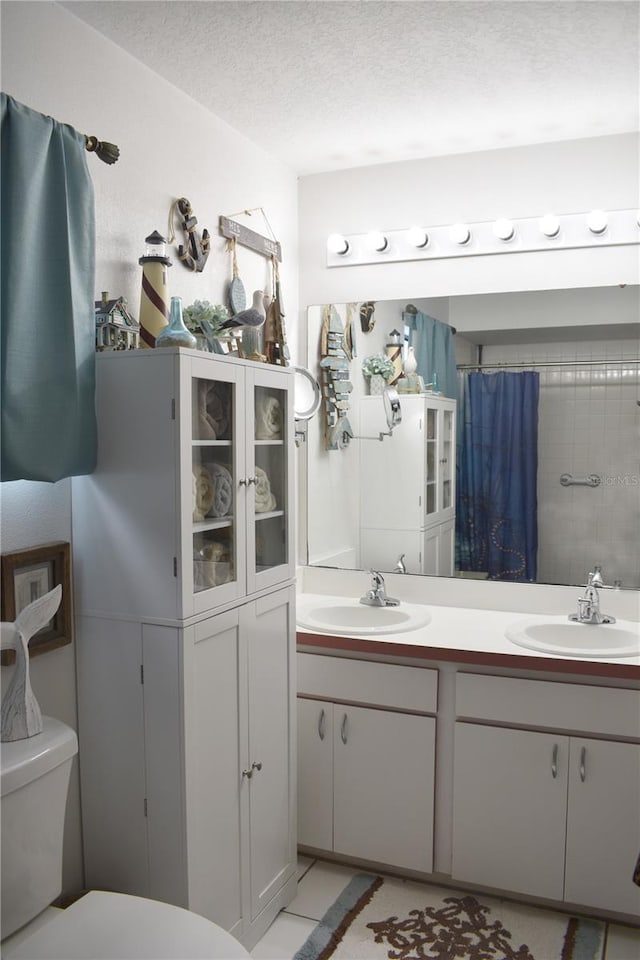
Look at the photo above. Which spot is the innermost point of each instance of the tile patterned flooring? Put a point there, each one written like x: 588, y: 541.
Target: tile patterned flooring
x: 319, y: 883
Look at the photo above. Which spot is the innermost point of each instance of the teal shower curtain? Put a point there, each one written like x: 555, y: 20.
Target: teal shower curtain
x: 433, y: 346
x: 47, y: 324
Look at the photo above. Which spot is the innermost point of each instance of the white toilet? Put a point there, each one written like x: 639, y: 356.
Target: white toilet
x: 99, y: 926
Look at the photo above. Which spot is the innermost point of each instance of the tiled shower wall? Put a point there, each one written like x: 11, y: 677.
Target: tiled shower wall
x: 589, y: 423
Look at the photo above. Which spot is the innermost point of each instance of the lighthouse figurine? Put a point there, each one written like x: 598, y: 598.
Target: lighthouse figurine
x: 154, y: 298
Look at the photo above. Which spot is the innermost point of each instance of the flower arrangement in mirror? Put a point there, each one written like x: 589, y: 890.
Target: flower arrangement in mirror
x: 205, y: 320
x: 379, y: 370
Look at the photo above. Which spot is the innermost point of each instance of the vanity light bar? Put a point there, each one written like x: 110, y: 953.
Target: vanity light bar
x: 549, y: 232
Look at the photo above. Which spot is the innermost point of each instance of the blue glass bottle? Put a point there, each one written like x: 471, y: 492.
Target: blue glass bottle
x: 176, y: 334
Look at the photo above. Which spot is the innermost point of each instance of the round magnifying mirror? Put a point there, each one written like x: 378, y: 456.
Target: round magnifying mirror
x: 392, y: 410
x: 306, y: 394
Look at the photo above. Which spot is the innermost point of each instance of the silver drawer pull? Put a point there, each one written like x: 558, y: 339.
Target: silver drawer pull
x: 344, y: 729
x: 321, y: 724
x: 583, y: 764
x: 554, y: 761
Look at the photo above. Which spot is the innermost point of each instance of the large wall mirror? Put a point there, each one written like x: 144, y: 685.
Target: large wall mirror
x: 583, y: 345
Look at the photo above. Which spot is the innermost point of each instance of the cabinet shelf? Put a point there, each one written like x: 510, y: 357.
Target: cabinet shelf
x: 268, y: 443
x: 211, y: 443
x: 213, y: 523
x: 269, y: 515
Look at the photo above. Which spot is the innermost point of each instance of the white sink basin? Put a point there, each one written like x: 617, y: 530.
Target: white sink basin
x: 560, y: 635
x: 354, y: 618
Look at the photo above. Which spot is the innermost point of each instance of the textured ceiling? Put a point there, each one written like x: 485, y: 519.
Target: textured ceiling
x: 325, y: 85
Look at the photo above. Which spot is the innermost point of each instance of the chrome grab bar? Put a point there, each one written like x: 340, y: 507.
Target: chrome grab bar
x: 568, y: 480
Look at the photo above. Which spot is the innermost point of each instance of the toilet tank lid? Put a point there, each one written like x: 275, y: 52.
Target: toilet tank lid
x: 22, y: 761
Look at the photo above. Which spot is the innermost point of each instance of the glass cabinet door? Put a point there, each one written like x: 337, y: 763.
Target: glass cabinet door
x: 447, y: 459
x: 215, y: 521
x: 431, y: 452
x: 439, y: 492
x: 268, y: 541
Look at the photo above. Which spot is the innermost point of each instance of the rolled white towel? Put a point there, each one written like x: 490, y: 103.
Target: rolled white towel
x: 223, y: 491
x: 268, y: 418
x: 202, y: 492
x: 213, y: 411
x: 265, y: 500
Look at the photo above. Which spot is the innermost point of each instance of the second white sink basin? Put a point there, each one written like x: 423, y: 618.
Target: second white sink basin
x: 352, y: 617
x: 560, y: 635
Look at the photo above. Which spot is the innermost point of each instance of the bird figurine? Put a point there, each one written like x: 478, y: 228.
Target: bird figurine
x: 253, y: 316
x: 248, y: 324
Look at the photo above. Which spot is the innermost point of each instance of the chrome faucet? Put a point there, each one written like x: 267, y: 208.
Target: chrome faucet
x: 376, y: 596
x: 589, y: 604
x: 400, y: 566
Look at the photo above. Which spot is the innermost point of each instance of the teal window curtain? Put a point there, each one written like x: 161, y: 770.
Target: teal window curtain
x: 435, y: 352
x: 47, y: 338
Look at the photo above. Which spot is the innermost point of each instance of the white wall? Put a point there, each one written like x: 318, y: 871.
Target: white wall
x: 170, y: 147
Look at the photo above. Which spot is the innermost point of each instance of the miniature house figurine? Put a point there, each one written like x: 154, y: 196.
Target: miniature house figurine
x: 116, y: 329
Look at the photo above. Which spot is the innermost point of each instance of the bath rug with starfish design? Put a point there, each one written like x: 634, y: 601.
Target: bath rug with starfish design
x: 377, y: 918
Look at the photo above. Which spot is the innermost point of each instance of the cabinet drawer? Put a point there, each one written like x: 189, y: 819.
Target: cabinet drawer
x: 359, y: 681
x: 565, y: 706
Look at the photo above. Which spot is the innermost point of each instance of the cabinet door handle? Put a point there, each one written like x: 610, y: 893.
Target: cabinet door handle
x: 583, y: 764
x: 554, y: 761
x: 243, y: 482
x: 344, y: 729
x: 257, y: 766
x: 252, y: 480
x: 247, y: 773
x: 321, y: 724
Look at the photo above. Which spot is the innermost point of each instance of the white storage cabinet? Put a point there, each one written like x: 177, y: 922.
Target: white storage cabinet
x: 410, y: 504
x: 186, y: 637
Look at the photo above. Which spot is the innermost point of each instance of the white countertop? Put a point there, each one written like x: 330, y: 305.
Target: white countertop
x: 458, y: 630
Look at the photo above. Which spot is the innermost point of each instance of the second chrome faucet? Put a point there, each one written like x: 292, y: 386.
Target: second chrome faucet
x: 589, y: 604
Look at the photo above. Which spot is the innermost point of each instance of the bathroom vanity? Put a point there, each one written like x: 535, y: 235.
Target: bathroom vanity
x: 184, y: 575
x: 447, y: 751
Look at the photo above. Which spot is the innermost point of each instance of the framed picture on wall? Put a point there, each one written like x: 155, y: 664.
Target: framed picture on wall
x: 26, y: 575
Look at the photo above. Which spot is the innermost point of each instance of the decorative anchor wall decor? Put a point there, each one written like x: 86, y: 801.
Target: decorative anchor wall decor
x: 196, y: 251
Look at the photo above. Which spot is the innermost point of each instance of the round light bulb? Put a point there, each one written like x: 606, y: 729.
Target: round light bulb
x: 549, y: 225
x: 503, y: 229
x: 460, y: 233
x: 377, y: 241
x: 597, y: 221
x: 336, y: 243
x: 418, y: 237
